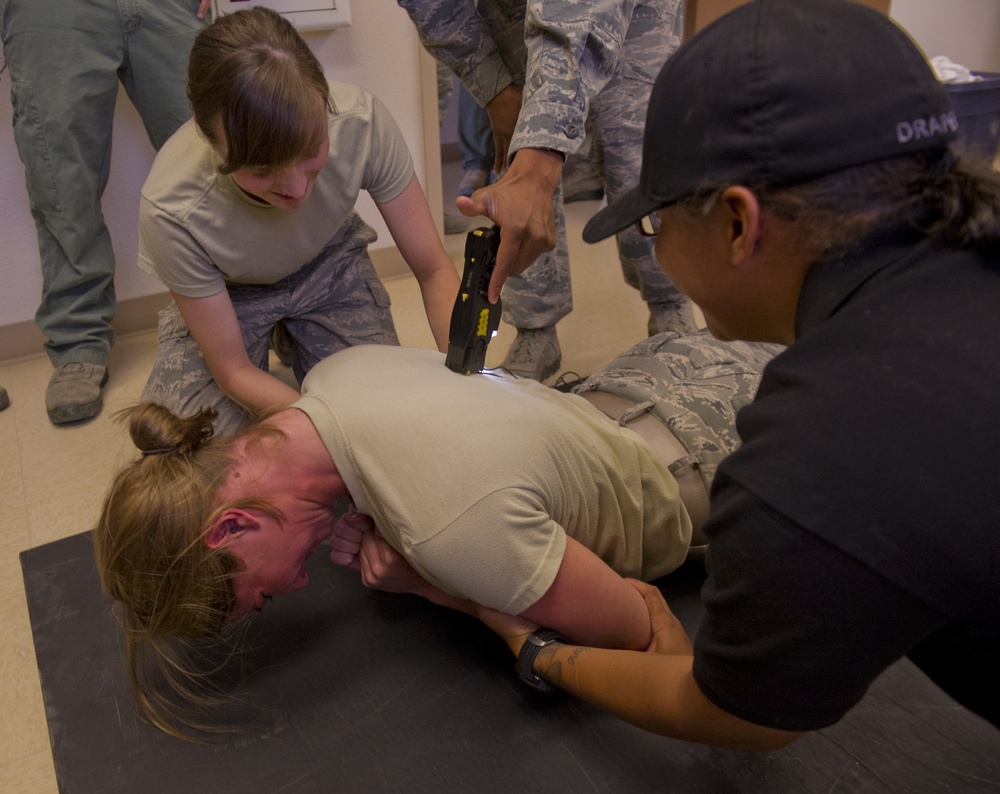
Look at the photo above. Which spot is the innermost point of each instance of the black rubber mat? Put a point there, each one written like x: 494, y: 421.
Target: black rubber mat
x: 348, y: 690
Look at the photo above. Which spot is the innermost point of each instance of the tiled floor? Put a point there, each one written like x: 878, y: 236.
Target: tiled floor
x: 52, y: 479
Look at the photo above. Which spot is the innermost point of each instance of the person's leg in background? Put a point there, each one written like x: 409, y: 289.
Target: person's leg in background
x: 615, y: 125
x: 444, y: 91
x: 534, y: 301
x: 155, y: 75
x: 64, y: 59
x: 454, y: 222
x: 618, y: 115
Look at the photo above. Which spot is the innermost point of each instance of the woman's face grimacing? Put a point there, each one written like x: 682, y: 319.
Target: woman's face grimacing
x: 288, y: 186
x: 273, y: 553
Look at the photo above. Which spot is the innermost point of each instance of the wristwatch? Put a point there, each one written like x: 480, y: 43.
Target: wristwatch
x: 529, y: 652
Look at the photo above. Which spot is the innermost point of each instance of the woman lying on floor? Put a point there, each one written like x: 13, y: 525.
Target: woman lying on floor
x: 497, y: 491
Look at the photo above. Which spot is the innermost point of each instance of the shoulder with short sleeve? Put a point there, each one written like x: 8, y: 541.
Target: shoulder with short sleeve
x: 513, y: 529
x: 182, y: 175
x: 364, y: 135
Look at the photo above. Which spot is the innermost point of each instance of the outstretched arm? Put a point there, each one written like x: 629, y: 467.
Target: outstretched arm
x: 654, y: 689
x: 590, y: 603
x: 213, y: 323
x: 409, y: 220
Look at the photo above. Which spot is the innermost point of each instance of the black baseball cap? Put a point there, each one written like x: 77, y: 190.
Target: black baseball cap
x: 777, y: 92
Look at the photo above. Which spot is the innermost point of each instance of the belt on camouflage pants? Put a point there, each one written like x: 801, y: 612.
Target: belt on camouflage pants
x: 667, y: 447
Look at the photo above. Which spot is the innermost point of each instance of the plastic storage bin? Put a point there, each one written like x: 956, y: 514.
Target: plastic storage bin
x: 977, y: 106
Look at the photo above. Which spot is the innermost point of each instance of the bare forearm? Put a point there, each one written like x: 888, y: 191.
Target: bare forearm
x: 438, y: 292
x: 542, y: 167
x: 213, y: 323
x: 614, y: 618
x: 442, y: 599
x: 255, y: 389
x: 590, y: 604
x: 409, y: 220
x: 654, y: 689
x: 656, y: 692
x: 622, y: 682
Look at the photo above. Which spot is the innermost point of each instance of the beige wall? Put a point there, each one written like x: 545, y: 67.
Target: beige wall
x: 699, y: 13
x: 967, y: 31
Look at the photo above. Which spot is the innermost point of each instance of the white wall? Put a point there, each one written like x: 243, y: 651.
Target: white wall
x: 379, y: 51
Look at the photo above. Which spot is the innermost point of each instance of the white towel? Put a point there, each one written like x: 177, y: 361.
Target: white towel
x: 949, y: 72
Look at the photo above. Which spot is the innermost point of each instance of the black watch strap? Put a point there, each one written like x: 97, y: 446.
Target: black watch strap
x: 529, y: 652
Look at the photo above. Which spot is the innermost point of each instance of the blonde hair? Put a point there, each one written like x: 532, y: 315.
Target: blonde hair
x: 150, y: 544
x: 252, y: 78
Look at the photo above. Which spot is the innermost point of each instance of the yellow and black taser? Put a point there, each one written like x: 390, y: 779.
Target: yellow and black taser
x: 474, y: 320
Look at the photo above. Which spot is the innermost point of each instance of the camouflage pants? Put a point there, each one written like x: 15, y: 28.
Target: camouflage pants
x: 696, y: 384
x: 333, y: 302
x: 542, y: 295
x: 66, y: 61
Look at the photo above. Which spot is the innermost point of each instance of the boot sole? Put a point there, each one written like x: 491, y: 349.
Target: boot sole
x: 65, y: 414
x: 77, y: 412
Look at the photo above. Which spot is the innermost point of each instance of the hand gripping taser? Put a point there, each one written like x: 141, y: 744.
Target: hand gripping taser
x: 474, y: 320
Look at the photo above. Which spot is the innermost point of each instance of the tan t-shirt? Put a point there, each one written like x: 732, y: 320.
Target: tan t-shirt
x: 198, y: 229
x: 477, y: 479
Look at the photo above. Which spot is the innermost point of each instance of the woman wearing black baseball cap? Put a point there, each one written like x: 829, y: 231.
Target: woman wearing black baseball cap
x: 800, y: 175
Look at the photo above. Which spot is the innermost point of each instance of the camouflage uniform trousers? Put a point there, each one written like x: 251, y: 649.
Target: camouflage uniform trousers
x: 444, y: 76
x: 66, y: 61
x: 542, y: 295
x: 696, y: 384
x: 335, y: 301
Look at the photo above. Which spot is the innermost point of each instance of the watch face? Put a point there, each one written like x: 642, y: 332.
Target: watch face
x: 545, y: 637
x: 539, y: 684
x: 526, y: 659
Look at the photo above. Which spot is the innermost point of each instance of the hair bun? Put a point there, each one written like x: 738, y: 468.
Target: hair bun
x: 156, y: 430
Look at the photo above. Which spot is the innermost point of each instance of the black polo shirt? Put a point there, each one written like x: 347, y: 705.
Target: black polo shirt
x: 859, y: 521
